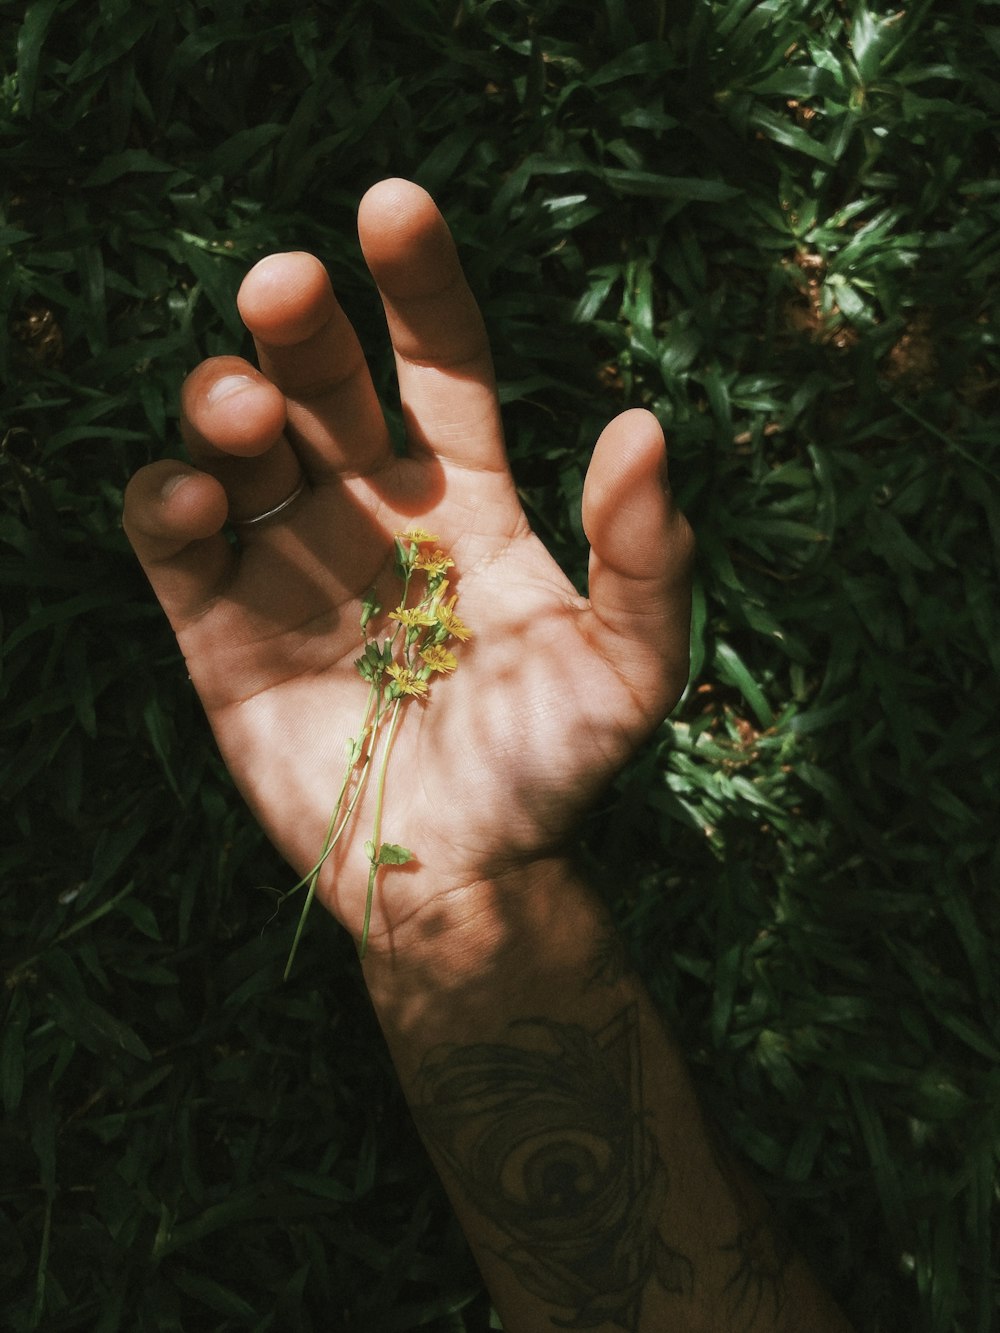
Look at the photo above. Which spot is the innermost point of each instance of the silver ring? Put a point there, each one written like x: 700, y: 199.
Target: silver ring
x: 271, y: 513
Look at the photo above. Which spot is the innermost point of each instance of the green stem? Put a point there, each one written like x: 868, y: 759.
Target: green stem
x: 333, y: 832
x: 377, y: 825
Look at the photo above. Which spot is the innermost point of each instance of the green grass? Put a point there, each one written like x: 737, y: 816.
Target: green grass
x: 776, y: 225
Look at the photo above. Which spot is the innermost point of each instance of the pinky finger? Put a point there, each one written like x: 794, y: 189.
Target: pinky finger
x: 173, y: 517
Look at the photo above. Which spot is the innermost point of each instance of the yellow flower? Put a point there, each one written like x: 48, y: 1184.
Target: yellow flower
x: 407, y: 682
x: 413, y: 617
x: 435, y: 563
x: 416, y: 535
x: 438, y: 658
x: 449, y: 620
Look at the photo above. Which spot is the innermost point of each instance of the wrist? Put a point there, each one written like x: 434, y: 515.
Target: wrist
x: 521, y: 928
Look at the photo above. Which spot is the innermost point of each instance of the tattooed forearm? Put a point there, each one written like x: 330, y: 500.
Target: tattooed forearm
x: 549, y: 1142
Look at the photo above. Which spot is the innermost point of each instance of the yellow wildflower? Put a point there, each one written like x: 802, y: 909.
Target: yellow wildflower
x: 434, y: 563
x: 413, y: 617
x: 416, y: 535
x: 447, y: 618
x: 438, y: 658
x: 407, y: 681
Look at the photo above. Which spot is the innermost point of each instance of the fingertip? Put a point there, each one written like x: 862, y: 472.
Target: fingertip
x: 193, y: 505
x: 168, y: 506
x: 637, y: 435
x: 630, y: 452
x: 229, y: 407
x: 394, y: 197
x: 286, y: 298
x: 405, y: 241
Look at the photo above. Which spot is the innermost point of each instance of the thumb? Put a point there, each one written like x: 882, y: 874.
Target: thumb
x: 641, y: 556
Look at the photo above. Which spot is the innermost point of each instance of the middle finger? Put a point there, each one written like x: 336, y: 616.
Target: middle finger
x: 307, y: 346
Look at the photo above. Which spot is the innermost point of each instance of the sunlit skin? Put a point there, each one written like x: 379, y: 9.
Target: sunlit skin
x: 554, y: 690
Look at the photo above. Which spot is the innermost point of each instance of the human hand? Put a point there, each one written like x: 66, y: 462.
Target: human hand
x: 554, y: 691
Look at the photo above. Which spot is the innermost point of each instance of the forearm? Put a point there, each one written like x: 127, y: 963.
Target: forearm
x: 565, y: 1128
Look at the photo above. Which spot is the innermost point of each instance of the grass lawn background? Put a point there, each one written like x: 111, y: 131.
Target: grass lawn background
x: 774, y: 224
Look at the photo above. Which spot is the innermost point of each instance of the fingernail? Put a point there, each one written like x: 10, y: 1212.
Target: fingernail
x: 171, y: 484
x: 226, y: 387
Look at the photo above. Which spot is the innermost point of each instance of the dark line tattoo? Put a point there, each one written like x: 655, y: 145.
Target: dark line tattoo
x: 609, y: 961
x: 761, y: 1250
x: 549, y: 1142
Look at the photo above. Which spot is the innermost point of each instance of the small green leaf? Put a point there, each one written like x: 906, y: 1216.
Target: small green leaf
x: 12, y: 1051
x: 30, y: 40
x: 403, y: 558
x: 369, y: 607
x: 352, y: 749
x: 653, y: 185
x: 129, y: 162
x: 213, y: 1295
x: 99, y: 1030
x: 390, y: 854
x: 731, y: 668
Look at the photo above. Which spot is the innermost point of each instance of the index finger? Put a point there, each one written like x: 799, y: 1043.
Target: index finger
x: 443, y: 360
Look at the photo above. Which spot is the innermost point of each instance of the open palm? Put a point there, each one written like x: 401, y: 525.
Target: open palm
x: 553, y: 691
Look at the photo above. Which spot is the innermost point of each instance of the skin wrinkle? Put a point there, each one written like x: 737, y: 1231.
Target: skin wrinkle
x: 233, y: 705
x: 594, y: 627
x: 635, y: 696
x: 299, y: 630
x: 180, y: 626
x: 469, y: 532
x: 470, y: 529
x: 312, y: 390
x: 637, y: 580
x: 455, y: 432
x: 443, y: 897
x: 468, y: 466
x: 443, y: 365
x: 160, y: 536
x: 201, y: 613
x: 547, y: 705
x: 396, y: 301
x: 492, y: 558
x: 290, y: 631
x: 344, y: 474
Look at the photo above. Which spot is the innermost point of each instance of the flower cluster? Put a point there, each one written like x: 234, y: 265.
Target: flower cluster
x: 414, y: 648
x: 428, y: 623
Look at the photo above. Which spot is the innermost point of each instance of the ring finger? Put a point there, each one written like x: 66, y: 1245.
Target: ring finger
x: 233, y: 424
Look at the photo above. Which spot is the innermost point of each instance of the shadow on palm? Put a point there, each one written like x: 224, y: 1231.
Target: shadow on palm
x: 487, y: 769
